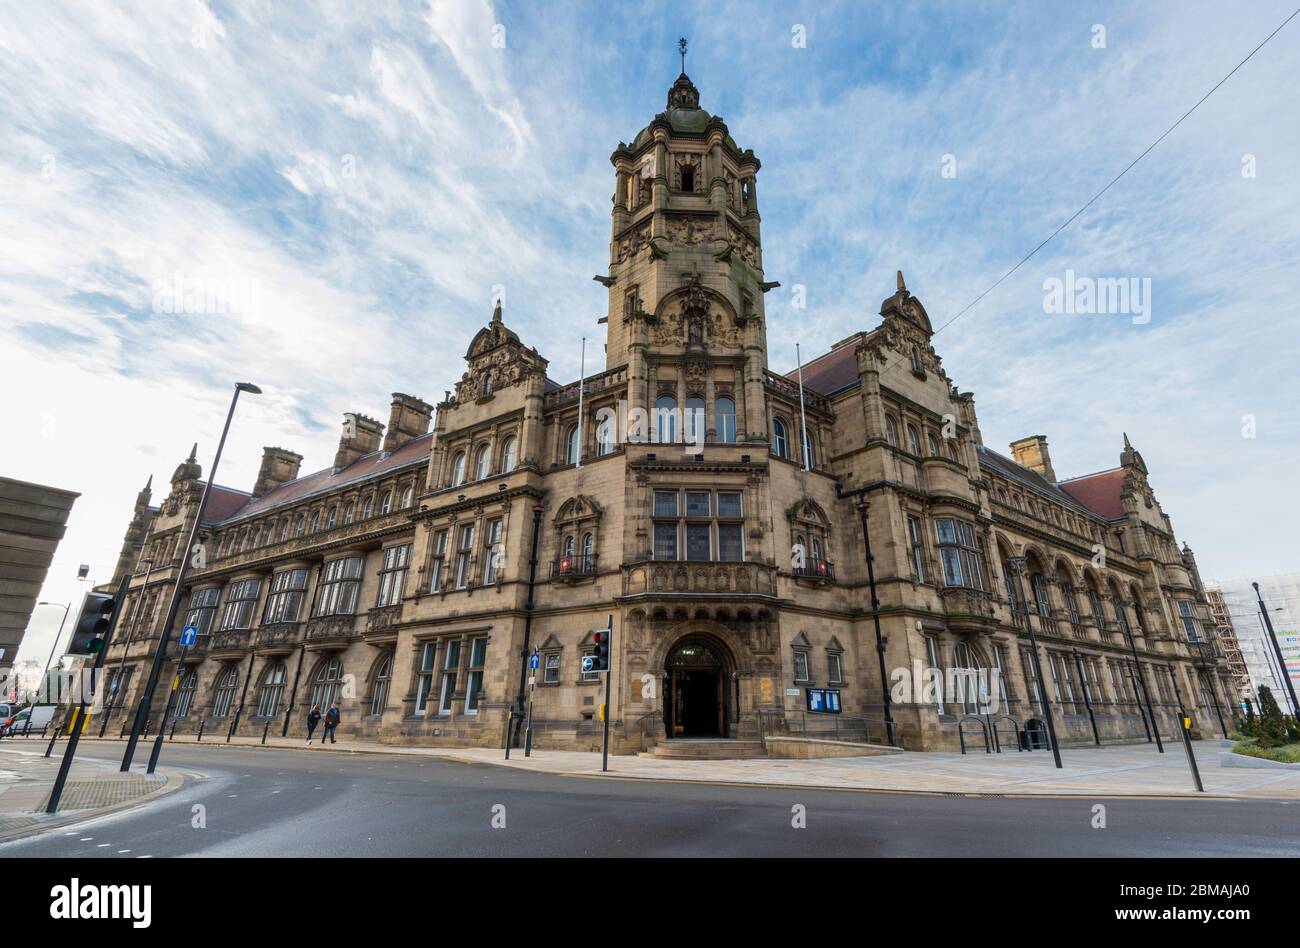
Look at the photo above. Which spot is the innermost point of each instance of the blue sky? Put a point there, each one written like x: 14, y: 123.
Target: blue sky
x: 368, y: 173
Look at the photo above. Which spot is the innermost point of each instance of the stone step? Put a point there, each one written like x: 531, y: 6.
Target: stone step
x: 704, y: 749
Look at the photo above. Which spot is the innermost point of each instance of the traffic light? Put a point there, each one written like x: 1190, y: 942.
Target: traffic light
x: 92, y: 625
x: 601, y: 655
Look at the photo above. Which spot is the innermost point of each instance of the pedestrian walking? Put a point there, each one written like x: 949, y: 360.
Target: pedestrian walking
x: 313, y: 718
x: 331, y: 722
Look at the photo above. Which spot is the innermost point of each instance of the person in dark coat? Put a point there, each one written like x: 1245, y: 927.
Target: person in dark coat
x: 313, y: 718
x: 331, y: 722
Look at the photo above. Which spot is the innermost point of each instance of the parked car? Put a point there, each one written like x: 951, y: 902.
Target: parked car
x: 16, y: 723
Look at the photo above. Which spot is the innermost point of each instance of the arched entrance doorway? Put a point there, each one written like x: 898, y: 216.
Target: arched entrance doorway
x: 696, y: 691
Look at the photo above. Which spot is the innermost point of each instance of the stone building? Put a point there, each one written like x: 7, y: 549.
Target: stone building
x: 706, y: 503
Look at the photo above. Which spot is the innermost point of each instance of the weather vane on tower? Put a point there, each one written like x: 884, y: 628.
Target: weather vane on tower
x: 681, y: 48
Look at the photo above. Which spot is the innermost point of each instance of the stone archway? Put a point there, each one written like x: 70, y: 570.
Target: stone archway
x: 699, y: 688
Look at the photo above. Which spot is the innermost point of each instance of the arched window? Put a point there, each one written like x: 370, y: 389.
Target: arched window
x: 780, y: 439
x: 386, y: 502
x: 271, y: 691
x: 693, y: 423
x: 458, y: 469
x: 891, y: 430
x: 315, y: 520
x: 185, y: 694
x: 913, y: 440
x: 726, y: 419
x: 931, y: 445
x: 368, y: 507
x: 329, y: 518
x: 284, y: 529
x: 327, y: 684
x: 509, y: 455
x: 408, y: 494
x: 227, y: 683
x: 349, y: 512
x: 300, y: 527
x: 605, y: 435
x: 809, y: 458
x: 588, y: 544
x: 379, y: 689
x: 482, y: 463
x: 571, y: 446
x: 666, y: 419
x: 568, y: 545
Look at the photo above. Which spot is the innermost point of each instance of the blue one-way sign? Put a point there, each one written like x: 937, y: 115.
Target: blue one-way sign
x: 188, y: 636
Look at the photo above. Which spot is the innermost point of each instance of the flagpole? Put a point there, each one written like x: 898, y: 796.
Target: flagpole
x: 803, y: 416
x: 582, y: 372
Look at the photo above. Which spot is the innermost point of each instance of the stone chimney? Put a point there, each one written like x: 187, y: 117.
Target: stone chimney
x: 278, y: 467
x: 1032, y: 453
x: 408, y: 419
x: 360, y: 437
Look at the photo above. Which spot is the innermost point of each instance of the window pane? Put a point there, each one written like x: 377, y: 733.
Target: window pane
x: 728, y: 505
x: 945, y: 530
x: 665, y: 541
x: 697, y: 541
x: 665, y: 503
x: 730, y: 544
x: 697, y: 503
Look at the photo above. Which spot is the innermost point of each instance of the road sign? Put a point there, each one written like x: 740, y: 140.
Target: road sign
x: 189, y: 635
x: 535, y: 660
x: 588, y: 664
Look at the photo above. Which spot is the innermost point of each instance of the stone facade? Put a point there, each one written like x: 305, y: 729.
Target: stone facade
x: 674, y: 493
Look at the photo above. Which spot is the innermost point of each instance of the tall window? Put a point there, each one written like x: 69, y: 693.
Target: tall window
x: 1042, y: 599
x: 809, y: 458
x: 349, y: 512
x: 725, y: 411
x: 227, y: 682
x: 958, y: 553
x: 913, y: 440
x: 1071, y: 604
x: 438, y: 563
x: 509, y: 455
x: 693, y: 422
x: 315, y: 520
x: 185, y: 694
x: 392, y: 575
x: 666, y: 419
x: 464, y: 553
x: 328, y: 683
x: 917, y: 549
x: 458, y: 469
x: 932, y: 656
x: 241, y: 599
x: 425, y: 676
x: 450, y: 666
x: 551, y: 666
x: 1031, y: 678
x: 271, y: 690
x: 491, y: 551
x: 967, y: 685
x: 383, y: 678
x: 802, y: 672
x: 891, y: 430
x: 482, y: 462
x: 386, y: 502
x: 203, y: 606
x: 474, y: 674
x: 571, y: 445
x: 605, y: 435
x: 330, y: 518
x: 288, y: 588
x: 666, y: 504
x: 340, y: 581
x: 118, y: 685
x: 408, y: 495
x: 1188, y: 616
x: 780, y: 439
x: 368, y: 507
x: 300, y: 525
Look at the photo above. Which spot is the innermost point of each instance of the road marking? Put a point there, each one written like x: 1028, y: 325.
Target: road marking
x: 120, y: 851
x: 144, y: 857
x: 85, y: 839
x: 103, y: 845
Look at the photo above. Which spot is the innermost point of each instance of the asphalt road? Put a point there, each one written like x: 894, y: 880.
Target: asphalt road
x: 257, y: 802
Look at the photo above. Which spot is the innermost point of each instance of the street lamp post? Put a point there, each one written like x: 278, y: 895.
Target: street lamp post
x: 1277, y: 650
x: 1018, y: 567
x: 142, y: 712
x: 130, y: 632
x: 514, y: 729
x: 863, y: 506
x: 1142, y: 680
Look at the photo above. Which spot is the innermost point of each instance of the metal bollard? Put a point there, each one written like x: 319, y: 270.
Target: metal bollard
x: 200, y: 737
x: 172, y: 736
x: 264, y: 730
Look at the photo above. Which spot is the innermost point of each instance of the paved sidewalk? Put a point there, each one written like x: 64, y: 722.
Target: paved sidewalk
x: 92, y: 787
x: 1126, y: 770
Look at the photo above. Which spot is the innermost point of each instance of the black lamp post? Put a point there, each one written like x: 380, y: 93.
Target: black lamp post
x: 517, y: 714
x: 1277, y: 650
x: 142, y: 712
x: 53, y: 647
x: 130, y: 632
x: 863, y: 506
x: 1018, y: 567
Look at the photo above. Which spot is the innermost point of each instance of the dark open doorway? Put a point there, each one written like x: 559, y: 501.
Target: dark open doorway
x: 695, y: 704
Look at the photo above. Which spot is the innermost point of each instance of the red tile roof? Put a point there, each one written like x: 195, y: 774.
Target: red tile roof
x: 833, y: 371
x: 1028, y: 478
x: 1099, y: 492
x: 226, y: 504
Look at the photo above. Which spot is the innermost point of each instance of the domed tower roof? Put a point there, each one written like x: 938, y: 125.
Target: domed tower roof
x: 683, y: 115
